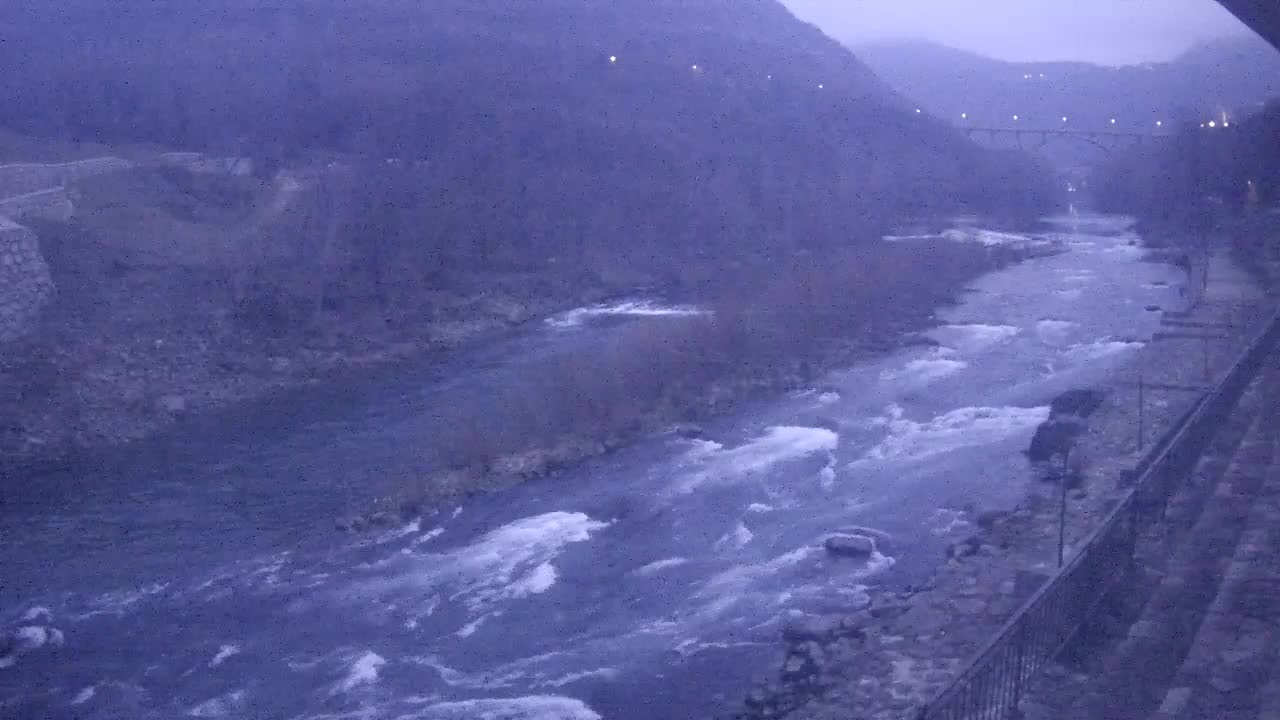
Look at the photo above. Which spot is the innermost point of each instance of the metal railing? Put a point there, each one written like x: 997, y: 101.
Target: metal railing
x: 993, y: 683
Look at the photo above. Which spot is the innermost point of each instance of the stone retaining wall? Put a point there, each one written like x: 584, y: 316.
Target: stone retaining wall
x: 25, y: 284
x: 23, y: 178
x: 52, y: 204
x: 34, y: 190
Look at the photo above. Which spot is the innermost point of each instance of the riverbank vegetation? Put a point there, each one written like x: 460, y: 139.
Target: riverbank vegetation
x: 1205, y: 182
x: 773, y: 331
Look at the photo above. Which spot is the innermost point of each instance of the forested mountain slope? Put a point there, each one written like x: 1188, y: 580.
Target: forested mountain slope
x: 614, y: 139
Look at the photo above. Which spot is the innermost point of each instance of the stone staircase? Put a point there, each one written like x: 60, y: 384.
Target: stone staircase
x: 1199, y: 638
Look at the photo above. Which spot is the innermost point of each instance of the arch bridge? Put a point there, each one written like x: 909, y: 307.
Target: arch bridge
x: 1104, y: 139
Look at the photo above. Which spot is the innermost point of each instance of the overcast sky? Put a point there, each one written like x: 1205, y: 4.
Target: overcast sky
x: 1104, y: 31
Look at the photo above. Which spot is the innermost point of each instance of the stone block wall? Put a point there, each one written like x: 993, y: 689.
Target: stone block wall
x: 23, y: 178
x: 25, y: 284
x: 52, y: 204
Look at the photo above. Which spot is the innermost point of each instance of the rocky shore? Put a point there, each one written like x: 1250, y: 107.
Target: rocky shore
x: 77, y: 384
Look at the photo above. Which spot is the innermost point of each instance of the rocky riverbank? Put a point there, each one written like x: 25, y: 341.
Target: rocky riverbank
x: 81, y: 382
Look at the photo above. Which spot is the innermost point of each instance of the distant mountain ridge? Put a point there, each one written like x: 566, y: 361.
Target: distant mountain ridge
x: 1232, y: 75
x: 541, y: 127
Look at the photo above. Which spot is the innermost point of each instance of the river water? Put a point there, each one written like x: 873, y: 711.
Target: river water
x: 198, y: 575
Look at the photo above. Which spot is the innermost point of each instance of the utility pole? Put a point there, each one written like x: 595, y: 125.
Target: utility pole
x: 1062, y: 508
x: 1206, y: 359
x: 1142, y: 409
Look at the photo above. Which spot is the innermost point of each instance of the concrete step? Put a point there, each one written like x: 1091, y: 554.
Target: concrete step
x: 1131, y: 678
x: 1071, y: 675
x: 1235, y: 653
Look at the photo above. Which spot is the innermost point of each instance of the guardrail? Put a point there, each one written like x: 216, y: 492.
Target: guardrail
x: 993, y: 683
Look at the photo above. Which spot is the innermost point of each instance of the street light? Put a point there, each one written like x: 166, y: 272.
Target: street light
x: 613, y: 58
x: 1015, y: 118
x: 1064, y: 118
x: 1113, y: 121
x: 964, y: 116
x: 1213, y: 124
x: 1159, y: 123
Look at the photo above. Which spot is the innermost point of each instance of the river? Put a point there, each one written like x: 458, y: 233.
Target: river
x: 199, y: 575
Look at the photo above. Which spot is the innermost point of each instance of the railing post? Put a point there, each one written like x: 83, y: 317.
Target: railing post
x: 1018, y: 663
x: 1132, y: 549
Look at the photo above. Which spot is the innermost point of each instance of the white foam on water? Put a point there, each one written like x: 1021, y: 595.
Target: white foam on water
x: 7, y: 661
x: 1079, y: 276
x: 1069, y: 294
x: 939, y: 364
x: 903, y: 238
x: 119, y: 602
x: 827, y: 477
x: 945, y: 521
x: 973, y: 337
x: 729, y: 583
x: 636, y: 308
x: 777, y: 444
x: 693, y: 646
x: 32, y: 637
x: 735, y: 539
x: 470, y: 628
x: 960, y: 428
x: 363, y: 670
x: 829, y: 397
x: 38, y: 612
x: 530, y: 707
x: 224, y: 652
x: 222, y: 706
x: 84, y: 695
x: 876, y: 563
x: 659, y: 565
x: 397, y: 533
x: 1055, y: 332
x: 509, y: 563
x: 491, y: 679
x: 759, y: 508
x: 989, y: 238
x: 605, y: 673
x: 701, y: 448
x: 1101, y: 349
x: 428, y: 536
x: 536, y: 581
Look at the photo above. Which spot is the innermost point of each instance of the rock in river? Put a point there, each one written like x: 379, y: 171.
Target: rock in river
x: 850, y: 545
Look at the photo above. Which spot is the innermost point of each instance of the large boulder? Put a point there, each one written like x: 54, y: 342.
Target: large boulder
x: 1080, y: 402
x: 859, y: 546
x: 1054, y: 438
